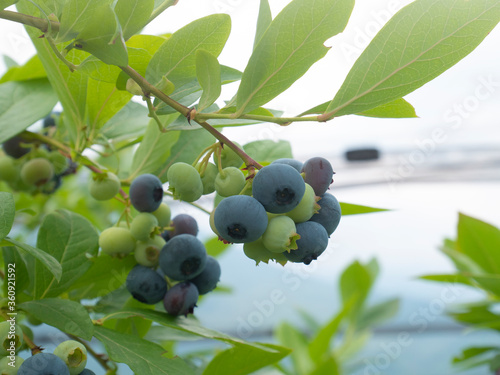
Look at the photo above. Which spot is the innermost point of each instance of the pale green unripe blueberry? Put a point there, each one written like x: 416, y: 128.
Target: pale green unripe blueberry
x: 230, y: 181
x: 104, y: 186
x: 117, y: 241
x: 229, y: 158
x: 147, y: 252
x: 143, y: 225
x: 307, y: 207
x: 280, y: 235
x: 37, y: 171
x: 208, y: 178
x: 184, y: 182
x: 60, y: 162
x: 163, y: 215
x: 11, y: 338
x: 9, y: 366
x: 8, y: 170
x: 74, y: 354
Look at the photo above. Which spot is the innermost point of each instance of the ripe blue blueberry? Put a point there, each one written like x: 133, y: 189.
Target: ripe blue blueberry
x: 279, y: 187
x: 43, y: 364
x: 329, y: 213
x: 207, y: 280
x: 183, y: 257
x: 181, y: 299
x: 181, y: 224
x: 146, y: 285
x: 87, y: 372
x: 318, y: 173
x: 15, y: 147
x: 313, y: 241
x: 240, y: 219
x: 291, y: 162
x: 146, y: 193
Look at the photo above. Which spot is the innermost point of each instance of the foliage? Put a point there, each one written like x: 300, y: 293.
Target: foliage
x: 92, y: 60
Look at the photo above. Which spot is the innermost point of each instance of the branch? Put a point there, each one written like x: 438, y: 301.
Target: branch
x: 37, y: 22
x: 283, y: 121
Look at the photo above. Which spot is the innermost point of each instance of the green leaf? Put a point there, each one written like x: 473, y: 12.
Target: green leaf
x: 103, y: 38
x: 136, y: 326
x: 263, y: 21
x: 68, y: 316
x: 186, y: 149
x: 289, y: 47
x: 7, y: 3
x: 7, y: 213
x: 491, y: 283
x: 104, y: 275
x: 419, y: 43
x: 176, y: 58
x: 469, y: 353
x: 11, y: 257
x: 45, y: 260
x: 23, y: 103
x: 355, y: 209
x: 133, y: 15
x: 142, y: 356
x: 69, y: 237
x: 266, y: 151
x: 355, y: 282
x: 452, y: 278
x: 480, y: 241
x: 462, y: 261
x: 104, y: 100
x: 243, y: 359
x: 377, y: 314
x: 215, y: 247
x: 209, y: 77
x: 291, y: 337
x: 33, y: 69
x: 328, y: 367
x: 76, y: 15
x: 320, y: 344
x: 131, y: 121
x: 153, y: 150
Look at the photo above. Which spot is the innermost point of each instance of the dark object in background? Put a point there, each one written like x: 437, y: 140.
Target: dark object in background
x: 362, y: 154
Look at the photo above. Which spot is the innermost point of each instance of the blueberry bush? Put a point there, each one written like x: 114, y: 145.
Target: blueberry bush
x: 104, y: 127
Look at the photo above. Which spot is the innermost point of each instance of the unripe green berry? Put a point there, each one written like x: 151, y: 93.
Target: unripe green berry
x: 280, y: 235
x: 307, y: 207
x: 7, y: 369
x: 163, y: 215
x: 104, y: 186
x: 230, y: 181
x: 184, y: 182
x: 8, y: 170
x: 229, y: 158
x: 11, y: 338
x: 208, y: 178
x: 74, y: 354
x: 147, y: 252
x: 37, y: 171
x: 117, y: 241
x: 143, y: 226
x: 59, y: 162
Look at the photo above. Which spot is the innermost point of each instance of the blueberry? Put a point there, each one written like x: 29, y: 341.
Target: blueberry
x: 74, y: 354
x: 228, y: 157
x: 291, y: 162
x: 280, y: 235
x: 163, y: 214
x: 147, y: 253
x: 257, y: 251
x: 116, y: 241
x: 50, y: 120
x: 240, y: 219
x: 181, y: 299
x: 143, y: 226
x: 207, y: 280
x: 146, y: 285
x: 318, y: 173
x: 8, y: 170
x: 6, y: 367
x: 15, y: 147
x: 43, y: 364
x: 279, y: 187
x: 104, y: 186
x: 307, y: 207
x: 184, y: 182
x: 329, y: 213
x: 183, y: 257
x: 313, y: 241
x: 37, y: 171
x: 230, y: 181
x: 87, y: 372
x: 208, y: 178
x: 50, y: 187
x: 146, y: 193
x: 181, y: 224
x: 7, y: 337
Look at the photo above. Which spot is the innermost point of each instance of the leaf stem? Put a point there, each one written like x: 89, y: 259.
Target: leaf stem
x: 59, y: 55
x: 152, y: 114
x: 283, y: 121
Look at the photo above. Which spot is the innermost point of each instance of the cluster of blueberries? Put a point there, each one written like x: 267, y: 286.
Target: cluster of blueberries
x: 69, y: 357
x: 164, y: 250
x: 289, y: 216
x: 30, y: 166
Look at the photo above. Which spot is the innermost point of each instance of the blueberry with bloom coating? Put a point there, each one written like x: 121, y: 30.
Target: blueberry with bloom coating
x: 43, y: 364
x: 207, y: 280
x: 240, y: 219
x: 146, y: 193
x: 181, y: 224
x: 14, y: 147
x: 183, y: 257
x: 318, y: 173
x: 291, y: 162
x: 329, y: 214
x: 146, y: 285
x: 313, y: 241
x: 278, y: 187
x: 181, y: 299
